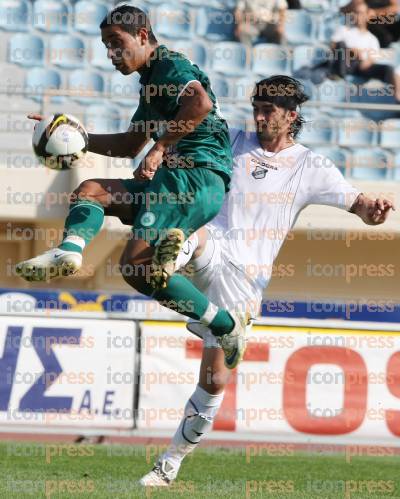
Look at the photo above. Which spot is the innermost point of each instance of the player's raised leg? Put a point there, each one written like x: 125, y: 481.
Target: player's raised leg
x: 88, y: 204
x: 153, y: 224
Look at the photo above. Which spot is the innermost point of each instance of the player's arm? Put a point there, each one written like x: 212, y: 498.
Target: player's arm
x: 195, y: 104
x: 372, y: 211
x: 124, y: 145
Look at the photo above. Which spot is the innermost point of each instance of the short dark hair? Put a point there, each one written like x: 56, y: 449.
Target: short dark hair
x: 282, y: 91
x: 130, y: 19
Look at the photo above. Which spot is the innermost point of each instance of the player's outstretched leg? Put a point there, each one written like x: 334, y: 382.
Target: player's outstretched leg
x: 89, y: 203
x: 199, y: 414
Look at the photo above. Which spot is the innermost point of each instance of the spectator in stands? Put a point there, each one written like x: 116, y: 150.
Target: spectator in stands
x: 355, y: 50
x: 383, y: 19
x: 260, y: 21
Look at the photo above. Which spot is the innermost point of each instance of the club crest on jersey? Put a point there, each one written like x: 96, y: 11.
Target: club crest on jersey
x: 261, y: 168
x: 259, y: 172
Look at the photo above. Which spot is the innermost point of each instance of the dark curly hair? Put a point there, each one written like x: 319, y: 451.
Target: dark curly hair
x: 282, y: 91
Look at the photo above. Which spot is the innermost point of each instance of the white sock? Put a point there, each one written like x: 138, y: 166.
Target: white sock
x: 200, y: 411
x: 187, y: 250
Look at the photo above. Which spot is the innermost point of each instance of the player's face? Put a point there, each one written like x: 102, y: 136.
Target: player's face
x: 127, y: 52
x: 271, y: 121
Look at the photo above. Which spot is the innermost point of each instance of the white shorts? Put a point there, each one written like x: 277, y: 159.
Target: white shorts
x: 225, y: 285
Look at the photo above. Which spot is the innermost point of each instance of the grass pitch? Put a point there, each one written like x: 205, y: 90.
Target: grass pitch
x: 110, y: 471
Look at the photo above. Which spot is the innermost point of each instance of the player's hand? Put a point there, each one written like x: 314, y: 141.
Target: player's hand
x: 375, y: 211
x: 34, y: 116
x: 150, y: 163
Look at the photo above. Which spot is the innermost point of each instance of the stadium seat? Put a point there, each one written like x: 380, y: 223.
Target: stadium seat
x: 51, y: 16
x: 98, y: 55
x: 327, y: 25
x: 357, y: 133
x: 194, y: 51
x: 299, y: 27
x: 102, y: 118
x: 14, y: 15
x: 125, y: 89
x: 396, y: 166
x: 390, y: 133
x: 317, y: 131
x: 88, y: 16
x: 40, y: 80
x: 243, y: 88
x: 309, y: 55
x: 173, y: 21
x: 339, y: 156
x: 84, y: 85
x: 215, y: 24
x: 235, y: 117
x: 332, y: 91
x: 269, y: 59
x: 370, y: 164
x: 221, y: 87
x: 229, y: 58
x: 26, y: 50
x: 67, y: 51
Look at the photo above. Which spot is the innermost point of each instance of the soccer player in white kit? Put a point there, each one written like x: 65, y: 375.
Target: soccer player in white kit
x: 231, y: 258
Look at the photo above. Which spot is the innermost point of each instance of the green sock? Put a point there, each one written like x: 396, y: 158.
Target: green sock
x: 181, y: 295
x: 82, y: 225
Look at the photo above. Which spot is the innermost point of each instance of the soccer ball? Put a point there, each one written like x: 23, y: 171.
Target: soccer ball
x: 59, y: 141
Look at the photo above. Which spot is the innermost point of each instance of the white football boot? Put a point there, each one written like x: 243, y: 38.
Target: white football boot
x: 234, y: 343
x: 164, y: 258
x: 52, y: 263
x: 161, y: 475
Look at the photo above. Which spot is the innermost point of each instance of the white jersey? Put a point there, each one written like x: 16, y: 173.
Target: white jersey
x: 268, y: 191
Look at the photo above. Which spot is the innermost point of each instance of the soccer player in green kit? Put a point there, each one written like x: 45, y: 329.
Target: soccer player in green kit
x: 179, y: 186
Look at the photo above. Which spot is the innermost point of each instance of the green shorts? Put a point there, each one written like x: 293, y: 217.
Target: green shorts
x: 175, y: 198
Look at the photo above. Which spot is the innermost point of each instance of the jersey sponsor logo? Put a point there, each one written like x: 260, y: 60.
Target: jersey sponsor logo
x: 148, y: 218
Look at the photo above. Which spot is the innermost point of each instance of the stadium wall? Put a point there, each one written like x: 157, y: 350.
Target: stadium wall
x: 98, y: 364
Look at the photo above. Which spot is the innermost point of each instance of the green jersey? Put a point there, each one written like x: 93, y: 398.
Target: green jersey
x: 163, y: 82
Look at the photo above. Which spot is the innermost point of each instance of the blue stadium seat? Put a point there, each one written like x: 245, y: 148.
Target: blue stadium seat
x: 67, y: 51
x: 14, y: 15
x: 390, y: 133
x: 26, y: 50
x: 215, y: 24
x: 235, y: 117
x: 88, y: 16
x: 332, y: 91
x: 357, y: 133
x: 221, y: 87
x: 327, y: 25
x: 195, y: 51
x: 396, y: 166
x: 102, y: 118
x: 339, y: 156
x: 269, y: 59
x: 370, y: 164
x: 243, y: 89
x: 173, y: 21
x: 299, y: 27
x: 98, y: 55
x: 229, y: 58
x: 315, y: 131
x: 309, y: 55
x: 125, y: 89
x: 51, y: 16
x: 84, y: 85
x: 39, y: 80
